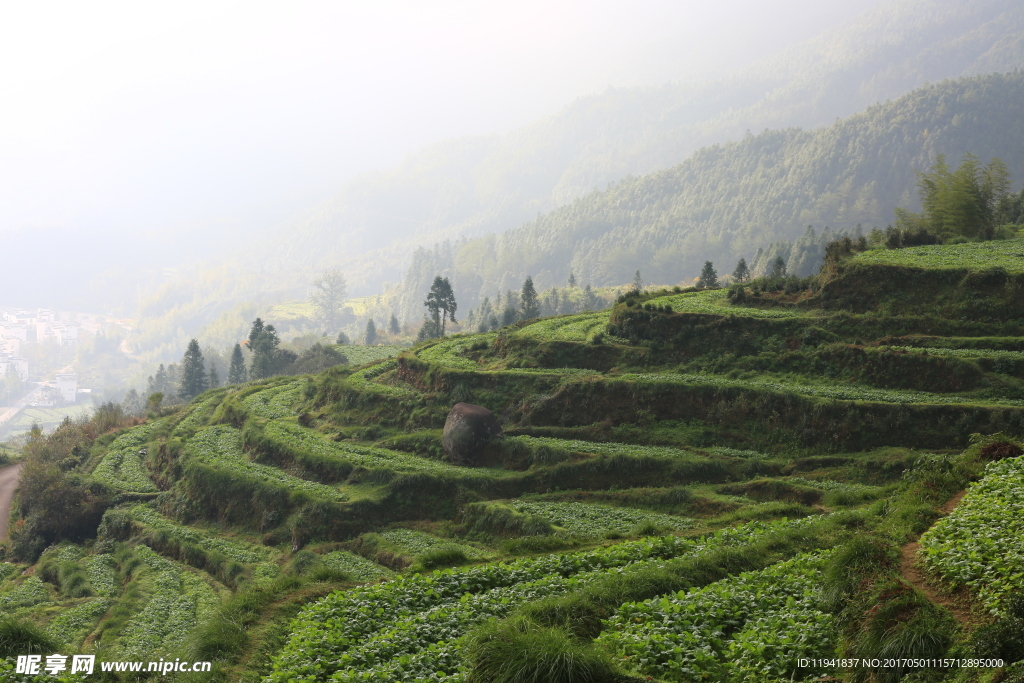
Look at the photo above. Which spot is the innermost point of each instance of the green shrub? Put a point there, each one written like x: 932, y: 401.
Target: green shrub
x: 449, y: 556
x: 22, y: 638
x: 519, y: 651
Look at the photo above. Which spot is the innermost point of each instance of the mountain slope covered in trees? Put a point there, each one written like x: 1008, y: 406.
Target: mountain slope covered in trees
x: 477, y: 185
x: 727, y: 201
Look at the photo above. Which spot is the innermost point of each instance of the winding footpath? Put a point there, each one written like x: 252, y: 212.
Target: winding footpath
x: 8, y: 482
x: 959, y: 604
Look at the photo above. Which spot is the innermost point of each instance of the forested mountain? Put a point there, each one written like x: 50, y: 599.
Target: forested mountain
x: 728, y: 201
x: 490, y: 184
x: 472, y: 186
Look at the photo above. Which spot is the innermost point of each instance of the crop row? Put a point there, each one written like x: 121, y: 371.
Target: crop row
x: 1008, y: 254
x: 365, y: 456
x: 830, y: 485
x: 356, y: 566
x: 362, y: 380
x: 240, y: 552
x: 714, y: 301
x: 755, y: 625
x: 959, y: 353
x: 180, y: 600
x: 220, y: 446
x: 197, y: 416
x: 360, y: 355
x: 72, y: 625
x: 981, y: 543
x: 102, y: 574
x: 419, y: 543
x: 596, y: 521
x: 607, y: 448
x: 30, y: 592
x: 832, y: 391
x: 123, y: 469
x: 327, y: 630
x: 568, y: 328
x: 274, y: 402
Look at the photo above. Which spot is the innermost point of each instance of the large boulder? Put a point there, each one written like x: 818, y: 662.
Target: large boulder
x: 466, y: 431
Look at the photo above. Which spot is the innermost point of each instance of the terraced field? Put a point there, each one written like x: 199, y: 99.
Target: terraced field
x: 687, y: 489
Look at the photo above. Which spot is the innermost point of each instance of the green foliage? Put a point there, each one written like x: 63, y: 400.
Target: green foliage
x: 21, y: 638
x: 758, y: 622
x: 975, y: 545
x: 192, y: 372
x: 1003, y: 254
x: 598, y: 521
x: 519, y: 651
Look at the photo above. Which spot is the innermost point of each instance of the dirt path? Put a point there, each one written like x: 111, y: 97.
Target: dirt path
x: 958, y: 604
x: 8, y: 482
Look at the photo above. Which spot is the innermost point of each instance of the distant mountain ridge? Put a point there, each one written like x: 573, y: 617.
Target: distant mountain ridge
x: 727, y: 201
x: 489, y: 184
x: 473, y: 186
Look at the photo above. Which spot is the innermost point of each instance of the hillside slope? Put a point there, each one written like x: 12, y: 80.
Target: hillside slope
x: 489, y: 184
x: 727, y: 201
x: 677, y: 477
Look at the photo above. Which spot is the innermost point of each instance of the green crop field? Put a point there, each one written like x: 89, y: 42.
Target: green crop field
x: 1007, y: 254
x: 676, y: 497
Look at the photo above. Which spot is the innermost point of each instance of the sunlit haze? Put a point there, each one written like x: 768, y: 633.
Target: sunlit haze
x: 142, y: 115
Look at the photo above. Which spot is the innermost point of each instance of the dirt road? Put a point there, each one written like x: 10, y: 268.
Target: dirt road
x: 8, y: 482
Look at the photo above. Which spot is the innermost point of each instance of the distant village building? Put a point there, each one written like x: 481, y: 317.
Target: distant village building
x: 67, y: 387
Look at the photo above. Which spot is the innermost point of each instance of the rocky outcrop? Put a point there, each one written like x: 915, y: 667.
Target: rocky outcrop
x: 466, y: 431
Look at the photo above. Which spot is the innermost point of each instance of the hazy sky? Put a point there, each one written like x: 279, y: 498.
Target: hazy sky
x: 142, y: 115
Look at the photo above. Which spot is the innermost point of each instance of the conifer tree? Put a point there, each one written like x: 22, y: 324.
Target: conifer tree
x: 590, y: 301
x: 638, y: 282
x: 212, y: 378
x: 778, y: 268
x: 572, y: 279
x: 742, y: 272
x: 708, y: 277
x: 342, y: 338
x: 528, y: 305
x: 393, y: 326
x: 441, y: 304
x: 371, y: 333
x: 236, y: 371
x: 192, y: 381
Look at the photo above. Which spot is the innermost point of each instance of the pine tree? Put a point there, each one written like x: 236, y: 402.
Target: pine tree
x: 236, y: 371
x: 393, y: 326
x: 371, y: 333
x: 212, y: 378
x: 638, y: 282
x: 193, y: 379
x: 590, y: 301
x: 528, y: 305
x: 342, y: 338
x: 441, y: 303
x: 742, y: 273
x: 778, y: 268
x: 572, y: 279
x: 708, y: 277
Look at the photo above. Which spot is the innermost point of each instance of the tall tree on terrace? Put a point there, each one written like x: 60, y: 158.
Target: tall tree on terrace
x: 708, y: 277
x: 572, y: 279
x: 236, y: 371
x: 193, y: 372
x: 742, y: 272
x: 638, y: 282
x: 529, y: 307
x: 393, y: 326
x: 327, y: 297
x: 371, y: 333
x: 213, y: 379
x: 441, y: 303
x: 267, y: 359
